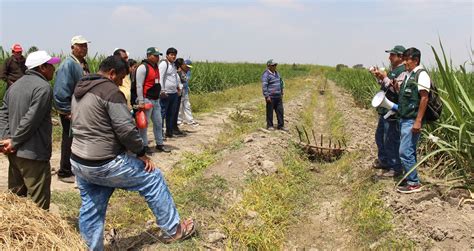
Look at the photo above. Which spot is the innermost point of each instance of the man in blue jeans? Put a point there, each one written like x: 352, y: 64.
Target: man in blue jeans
x: 148, y: 89
x: 103, y: 131
x: 169, y: 91
x: 413, y: 100
x: 387, y: 135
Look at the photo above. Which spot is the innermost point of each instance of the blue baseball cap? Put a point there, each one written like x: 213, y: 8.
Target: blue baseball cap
x: 188, y: 63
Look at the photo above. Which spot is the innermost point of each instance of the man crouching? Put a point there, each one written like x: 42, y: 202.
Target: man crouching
x: 103, y: 131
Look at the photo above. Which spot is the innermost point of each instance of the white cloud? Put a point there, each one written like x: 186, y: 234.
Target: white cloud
x: 127, y: 13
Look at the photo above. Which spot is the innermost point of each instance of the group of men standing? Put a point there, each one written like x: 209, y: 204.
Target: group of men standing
x: 407, y: 84
x: 101, y: 147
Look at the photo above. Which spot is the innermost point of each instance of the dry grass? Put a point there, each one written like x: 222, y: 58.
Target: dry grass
x: 24, y: 226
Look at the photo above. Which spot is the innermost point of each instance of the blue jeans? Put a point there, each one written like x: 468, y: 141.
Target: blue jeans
x: 155, y: 114
x: 408, y: 141
x: 380, y: 133
x: 96, y: 185
x: 387, y: 138
x: 168, y: 110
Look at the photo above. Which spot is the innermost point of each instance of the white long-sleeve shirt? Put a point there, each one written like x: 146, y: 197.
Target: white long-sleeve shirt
x: 170, y: 85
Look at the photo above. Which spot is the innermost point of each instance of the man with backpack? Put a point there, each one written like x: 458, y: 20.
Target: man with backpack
x: 148, y: 91
x: 169, y: 91
x: 413, y: 101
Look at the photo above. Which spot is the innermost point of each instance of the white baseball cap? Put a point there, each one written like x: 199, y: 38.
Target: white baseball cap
x: 79, y: 39
x: 40, y: 57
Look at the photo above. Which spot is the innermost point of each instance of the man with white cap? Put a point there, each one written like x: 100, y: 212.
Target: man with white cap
x: 26, y: 129
x: 69, y: 73
x: 14, y: 67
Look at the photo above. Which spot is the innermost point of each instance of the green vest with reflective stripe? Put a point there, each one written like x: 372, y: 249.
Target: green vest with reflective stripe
x: 393, y: 74
x: 409, y: 98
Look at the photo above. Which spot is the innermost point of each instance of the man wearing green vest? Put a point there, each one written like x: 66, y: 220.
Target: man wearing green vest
x: 387, y: 135
x: 413, y: 100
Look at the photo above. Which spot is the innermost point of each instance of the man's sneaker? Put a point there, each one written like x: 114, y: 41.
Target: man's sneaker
x: 193, y: 123
x: 69, y: 179
x: 283, y: 129
x: 409, y: 189
x: 270, y: 128
x: 378, y: 165
x: 162, y: 148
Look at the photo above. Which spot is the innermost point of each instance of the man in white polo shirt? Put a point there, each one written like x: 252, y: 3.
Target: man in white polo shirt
x: 413, y: 100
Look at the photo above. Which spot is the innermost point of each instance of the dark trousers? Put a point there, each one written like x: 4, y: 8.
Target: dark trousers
x: 176, y: 113
x: 277, y: 105
x: 30, y: 178
x: 168, y: 111
x: 66, y: 142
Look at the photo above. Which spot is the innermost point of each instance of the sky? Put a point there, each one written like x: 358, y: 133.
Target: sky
x: 289, y: 31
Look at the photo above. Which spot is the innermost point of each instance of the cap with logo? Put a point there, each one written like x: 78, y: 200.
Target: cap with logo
x: 79, y: 39
x: 153, y: 51
x: 38, y: 58
x: 398, y: 49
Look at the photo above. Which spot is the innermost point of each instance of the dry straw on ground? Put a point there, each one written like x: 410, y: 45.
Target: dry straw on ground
x: 24, y: 226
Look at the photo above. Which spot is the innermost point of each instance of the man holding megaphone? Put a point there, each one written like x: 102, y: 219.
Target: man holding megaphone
x: 387, y: 135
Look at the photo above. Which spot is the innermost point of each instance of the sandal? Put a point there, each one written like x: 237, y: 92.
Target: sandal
x: 185, y: 229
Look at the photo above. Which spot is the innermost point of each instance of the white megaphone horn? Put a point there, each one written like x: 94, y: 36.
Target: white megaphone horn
x: 380, y: 100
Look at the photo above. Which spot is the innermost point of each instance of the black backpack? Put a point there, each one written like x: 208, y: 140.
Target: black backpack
x: 435, y: 105
x: 133, y: 87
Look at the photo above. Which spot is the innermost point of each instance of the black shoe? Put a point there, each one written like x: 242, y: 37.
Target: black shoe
x: 148, y: 150
x: 178, y: 133
x: 67, y: 179
x: 169, y: 135
x: 161, y: 148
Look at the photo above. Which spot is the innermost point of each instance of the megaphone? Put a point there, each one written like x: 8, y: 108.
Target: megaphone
x: 380, y: 100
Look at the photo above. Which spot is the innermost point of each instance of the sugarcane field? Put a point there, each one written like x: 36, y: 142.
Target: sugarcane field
x: 236, y: 125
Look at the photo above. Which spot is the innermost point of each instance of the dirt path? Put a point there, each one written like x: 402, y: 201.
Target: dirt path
x: 196, y: 137
x: 322, y: 227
